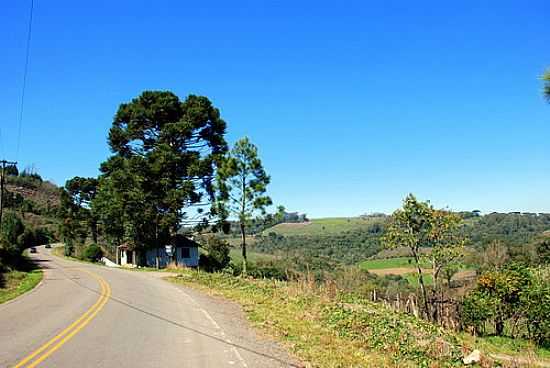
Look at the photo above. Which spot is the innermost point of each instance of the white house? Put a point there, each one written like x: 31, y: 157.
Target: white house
x: 185, y: 252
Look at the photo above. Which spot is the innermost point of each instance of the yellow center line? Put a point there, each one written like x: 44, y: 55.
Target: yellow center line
x: 73, y: 328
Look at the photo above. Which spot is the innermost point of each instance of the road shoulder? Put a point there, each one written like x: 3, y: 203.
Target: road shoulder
x: 257, y: 349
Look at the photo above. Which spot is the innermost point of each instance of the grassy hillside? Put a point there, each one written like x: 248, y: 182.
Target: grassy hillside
x: 329, y: 242
x: 35, y: 201
x: 325, y: 329
x: 324, y: 226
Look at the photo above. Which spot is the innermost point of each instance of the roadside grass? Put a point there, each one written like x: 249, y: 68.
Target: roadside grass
x: 325, y: 328
x: 19, y: 279
x: 513, y: 348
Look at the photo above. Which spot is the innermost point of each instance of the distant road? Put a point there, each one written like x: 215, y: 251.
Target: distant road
x: 83, y: 315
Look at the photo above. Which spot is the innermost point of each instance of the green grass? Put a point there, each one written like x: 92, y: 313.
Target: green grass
x: 236, y: 256
x: 413, y: 278
x: 15, y: 283
x: 380, y: 264
x: 498, y: 345
x: 327, y: 329
x: 323, y: 226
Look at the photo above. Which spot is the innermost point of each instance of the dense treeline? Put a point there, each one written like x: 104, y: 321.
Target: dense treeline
x: 512, y: 230
x: 348, y: 247
x: 30, y: 208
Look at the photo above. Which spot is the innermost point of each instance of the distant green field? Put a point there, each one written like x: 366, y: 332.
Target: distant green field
x: 380, y: 264
x: 323, y: 226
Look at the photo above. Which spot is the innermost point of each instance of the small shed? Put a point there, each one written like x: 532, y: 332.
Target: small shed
x: 126, y: 255
x: 185, y: 253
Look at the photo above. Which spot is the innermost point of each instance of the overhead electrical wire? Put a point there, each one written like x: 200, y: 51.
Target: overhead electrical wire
x: 25, y: 72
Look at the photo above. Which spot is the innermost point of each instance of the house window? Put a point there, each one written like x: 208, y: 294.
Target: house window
x: 185, y: 253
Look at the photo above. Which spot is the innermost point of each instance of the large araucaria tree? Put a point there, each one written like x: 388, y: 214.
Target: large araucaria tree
x: 165, y: 157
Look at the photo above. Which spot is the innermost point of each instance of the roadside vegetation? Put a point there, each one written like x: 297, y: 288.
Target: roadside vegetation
x: 327, y: 328
x: 28, y: 220
x: 423, y: 284
x: 15, y: 282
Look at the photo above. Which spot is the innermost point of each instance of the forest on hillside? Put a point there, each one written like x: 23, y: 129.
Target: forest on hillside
x: 515, y: 231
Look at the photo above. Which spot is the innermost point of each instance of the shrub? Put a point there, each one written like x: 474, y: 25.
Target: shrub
x: 92, y: 253
x: 217, y: 257
x: 497, y: 297
x: 536, y: 304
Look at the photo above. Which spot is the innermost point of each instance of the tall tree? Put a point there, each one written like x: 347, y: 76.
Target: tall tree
x: 243, y: 187
x: 418, y: 225
x: 166, y: 153
x: 81, y: 192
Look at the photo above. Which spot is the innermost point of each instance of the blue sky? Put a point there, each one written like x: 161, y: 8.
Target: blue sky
x: 352, y: 104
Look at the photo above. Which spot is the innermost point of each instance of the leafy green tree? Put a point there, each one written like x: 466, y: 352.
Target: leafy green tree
x: 536, y: 304
x: 166, y: 153
x: 93, y: 253
x: 27, y: 239
x: 72, y: 227
x: 11, y: 170
x: 217, y: 254
x: 243, y: 183
x: 418, y: 225
x: 498, y: 296
x: 82, y: 192
x: 543, y: 251
x: 12, y: 229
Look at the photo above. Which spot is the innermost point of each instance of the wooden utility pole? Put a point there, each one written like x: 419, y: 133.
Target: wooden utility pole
x: 4, y: 163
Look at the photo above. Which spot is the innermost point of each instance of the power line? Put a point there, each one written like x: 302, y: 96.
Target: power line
x: 25, y: 71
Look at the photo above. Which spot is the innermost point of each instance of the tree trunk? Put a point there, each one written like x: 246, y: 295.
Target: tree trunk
x: 499, y: 327
x: 422, y: 287
x: 93, y: 228
x: 243, y: 247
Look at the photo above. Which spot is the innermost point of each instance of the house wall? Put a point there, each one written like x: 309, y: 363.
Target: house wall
x: 164, y: 259
x: 123, y: 258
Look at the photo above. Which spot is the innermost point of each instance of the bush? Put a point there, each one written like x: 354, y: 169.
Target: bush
x: 508, y: 296
x: 92, y: 253
x: 270, y: 269
x: 217, y: 257
x: 536, y: 305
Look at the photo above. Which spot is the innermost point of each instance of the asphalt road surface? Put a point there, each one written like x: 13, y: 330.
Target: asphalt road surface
x: 83, y: 315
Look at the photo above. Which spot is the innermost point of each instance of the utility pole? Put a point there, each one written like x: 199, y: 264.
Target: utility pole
x: 4, y: 163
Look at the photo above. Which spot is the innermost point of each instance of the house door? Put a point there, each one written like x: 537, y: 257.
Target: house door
x: 129, y: 258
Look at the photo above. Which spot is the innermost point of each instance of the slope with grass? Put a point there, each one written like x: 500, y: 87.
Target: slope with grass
x: 324, y: 226
x: 16, y: 283
x: 328, y: 329
x: 17, y: 277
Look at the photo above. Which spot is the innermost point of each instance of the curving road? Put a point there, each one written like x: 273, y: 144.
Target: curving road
x: 83, y: 315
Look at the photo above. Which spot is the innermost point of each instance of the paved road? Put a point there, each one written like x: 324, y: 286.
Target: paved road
x: 84, y: 315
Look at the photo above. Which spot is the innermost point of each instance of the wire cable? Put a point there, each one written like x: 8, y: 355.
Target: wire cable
x: 25, y: 72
